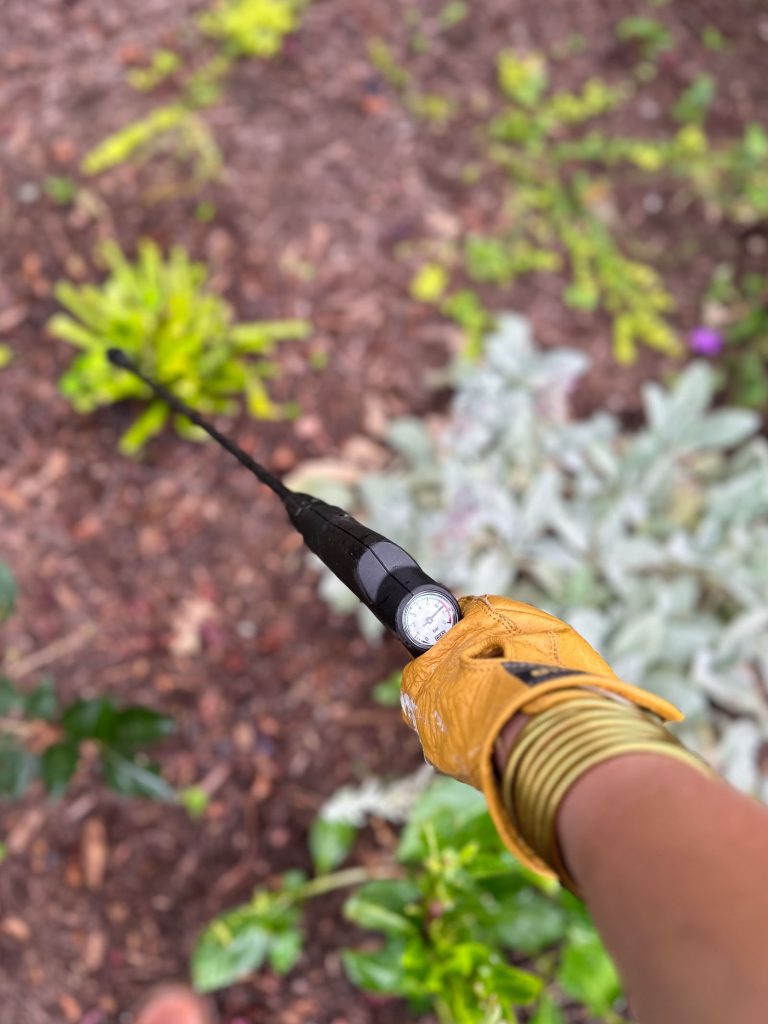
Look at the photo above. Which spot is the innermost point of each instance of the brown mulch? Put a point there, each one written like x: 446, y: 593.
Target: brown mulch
x: 199, y: 598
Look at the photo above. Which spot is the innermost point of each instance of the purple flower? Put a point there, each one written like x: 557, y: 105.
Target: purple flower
x: 706, y: 341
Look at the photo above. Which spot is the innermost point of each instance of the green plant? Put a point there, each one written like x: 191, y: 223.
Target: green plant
x: 251, y: 28
x: 6, y: 355
x: 160, y: 311
x: 242, y: 28
x: 452, y: 911
x: 40, y: 738
x: 740, y: 306
x: 712, y: 39
x: 175, y: 130
x: 387, y: 692
x: 652, y: 543
x: 426, y: 106
x: 693, y: 105
x: 558, y: 210
x: 61, y: 189
x: 561, y: 211
x: 649, y: 35
x: 164, y: 63
x: 453, y: 13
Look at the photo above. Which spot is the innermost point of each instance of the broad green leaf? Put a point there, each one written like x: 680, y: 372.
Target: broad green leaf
x: 285, y: 950
x: 376, y: 972
x: 57, y: 766
x: 42, y: 702
x: 90, y: 718
x: 7, y: 592
x: 329, y: 843
x: 6, y: 355
x: 17, y: 768
x: 381, y: 906
x: 138, y: 727
x: 230, y: 948
x: 529, y: 922
x: 129, y: 778
x: 11, y: 698
x: 446, y: 809
x: 548, y: 1012
x: 387, y: 692
x: 514, y: 985
x: 587, y: 972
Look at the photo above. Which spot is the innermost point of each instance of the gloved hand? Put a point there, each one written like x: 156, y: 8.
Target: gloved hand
x: 503, y: 658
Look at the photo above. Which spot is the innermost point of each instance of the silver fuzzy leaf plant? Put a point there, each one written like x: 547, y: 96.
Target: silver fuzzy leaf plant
x: 652, y: 543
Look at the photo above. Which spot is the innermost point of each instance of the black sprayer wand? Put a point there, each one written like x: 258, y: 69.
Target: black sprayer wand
x: 380, y: 573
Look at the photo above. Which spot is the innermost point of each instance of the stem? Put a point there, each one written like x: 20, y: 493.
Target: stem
x: 340, y: 880
x: 59, y: 648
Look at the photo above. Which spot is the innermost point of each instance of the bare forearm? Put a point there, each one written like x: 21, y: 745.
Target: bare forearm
x: 672, y: 866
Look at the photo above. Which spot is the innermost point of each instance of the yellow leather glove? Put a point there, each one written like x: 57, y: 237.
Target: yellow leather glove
x: 504, y: 657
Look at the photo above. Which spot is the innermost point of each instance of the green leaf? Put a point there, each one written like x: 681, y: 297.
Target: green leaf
x: 42, y: 701
x: 91, y: 718
x: 377, y: 972
x: 693, y: 105
x: 17, y: 769
x: 529, y: 922
x: 129, y: 778
x: 6, y: 355
x: 587, y: 972
x: 139, y: 727
x: 284, y: 950
x: 7, y: 592
x: 381, y: 906
x: 429, y: 283
x: 547, y: 1012
x: 194, y: 800
x: 11, y: 698
x: 230, y: 948
x: 387, y: 692
x: 523, y: 79
x: 450, y: 810
x: 329, y: 843
x: 513, y: 985
x: 57, y: 766
x: 151, y: 422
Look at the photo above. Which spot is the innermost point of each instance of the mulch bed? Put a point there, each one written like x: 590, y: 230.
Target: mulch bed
x: 174, y: 580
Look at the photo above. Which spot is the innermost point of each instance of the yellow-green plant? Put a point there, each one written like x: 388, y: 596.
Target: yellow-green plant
x: 161, y: 313
x: 251, y: 28
x: 562, y: 210
x: 241, y: 28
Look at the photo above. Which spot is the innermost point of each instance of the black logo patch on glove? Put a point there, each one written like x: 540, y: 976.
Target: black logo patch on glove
x: 532, y: 672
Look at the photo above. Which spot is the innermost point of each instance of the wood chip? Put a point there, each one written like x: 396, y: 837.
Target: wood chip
x: 24, y: 830
x: 94, y: 852
x: 70, y: 1007
x: 16, y: 928
x: 95, y: 951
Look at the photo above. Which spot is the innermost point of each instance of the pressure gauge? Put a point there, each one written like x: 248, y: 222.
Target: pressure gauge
x: 427, y: 616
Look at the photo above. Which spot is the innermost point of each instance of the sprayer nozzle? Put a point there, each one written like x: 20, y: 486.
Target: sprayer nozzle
x: 117, y: 357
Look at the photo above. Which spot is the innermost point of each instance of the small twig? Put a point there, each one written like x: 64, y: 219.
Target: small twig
x: 52, y: 652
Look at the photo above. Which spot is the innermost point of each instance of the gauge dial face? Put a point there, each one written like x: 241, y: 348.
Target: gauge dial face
x: 427, y: 616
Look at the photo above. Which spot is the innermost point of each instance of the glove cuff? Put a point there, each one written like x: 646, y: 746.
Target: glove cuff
x: 545, y: 687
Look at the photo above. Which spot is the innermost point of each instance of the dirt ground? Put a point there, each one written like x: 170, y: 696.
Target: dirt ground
x: 174, y: 580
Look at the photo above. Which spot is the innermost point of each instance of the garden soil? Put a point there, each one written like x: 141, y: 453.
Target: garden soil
x: 174, y: 580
